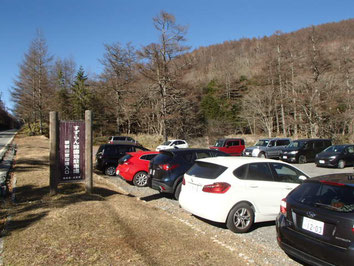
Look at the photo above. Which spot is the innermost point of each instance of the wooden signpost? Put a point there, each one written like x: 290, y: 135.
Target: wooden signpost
x: 70, y: 151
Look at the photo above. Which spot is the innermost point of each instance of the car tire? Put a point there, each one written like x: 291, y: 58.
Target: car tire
x: 302, y: 159
x: 178, y: 190
x: 240, y: 218
x: 110, y: 170
x: 341, y: 164
x: 262, y: 155
x: 140, y: 179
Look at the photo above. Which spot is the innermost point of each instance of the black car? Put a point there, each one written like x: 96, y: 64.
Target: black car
x: 108, y: 155
x: 304, y: 150
x: 316, y: 221
x: 337, y: 156
x: 166, y: 170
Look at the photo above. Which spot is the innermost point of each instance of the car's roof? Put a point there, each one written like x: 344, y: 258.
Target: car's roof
x: 184, y: 150
x: 340, y: 178
x: 138, y: 153
x: 309, y: 139
x: 228, y: 138
x: 232, y: 161
x: 122, y: 143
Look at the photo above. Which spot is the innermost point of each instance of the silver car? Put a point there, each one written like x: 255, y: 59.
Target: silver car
x: 267, y: 148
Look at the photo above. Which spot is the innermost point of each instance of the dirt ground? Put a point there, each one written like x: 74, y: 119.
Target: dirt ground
x: 107, y: 227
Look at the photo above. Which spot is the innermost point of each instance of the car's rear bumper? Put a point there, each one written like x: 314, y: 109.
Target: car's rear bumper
x: 161, y: 186
x: 308, y: 249
x: 211, y: 207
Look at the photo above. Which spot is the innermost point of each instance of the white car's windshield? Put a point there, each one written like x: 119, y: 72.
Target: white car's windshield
x: 262, y: 142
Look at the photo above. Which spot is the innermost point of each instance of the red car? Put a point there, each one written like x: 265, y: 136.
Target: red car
x: 232, y: 146
x: 134, y: 167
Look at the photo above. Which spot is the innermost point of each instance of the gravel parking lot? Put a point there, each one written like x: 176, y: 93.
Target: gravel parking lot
x: 257, y: 247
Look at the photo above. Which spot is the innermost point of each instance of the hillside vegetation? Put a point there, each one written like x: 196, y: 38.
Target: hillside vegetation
x: 296, y: 84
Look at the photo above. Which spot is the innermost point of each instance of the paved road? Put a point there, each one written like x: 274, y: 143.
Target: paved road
x: 5, y: 138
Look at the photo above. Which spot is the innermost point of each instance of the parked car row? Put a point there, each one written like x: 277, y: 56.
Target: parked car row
x: 316, y: 219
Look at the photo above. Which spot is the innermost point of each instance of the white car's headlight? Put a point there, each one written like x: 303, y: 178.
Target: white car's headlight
x: 255, y: 152
x: 293, y: 152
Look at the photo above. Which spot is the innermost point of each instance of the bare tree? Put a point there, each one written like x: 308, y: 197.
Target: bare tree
x: 32, y: 92
x: 160, y: 62
x: 119, y: 63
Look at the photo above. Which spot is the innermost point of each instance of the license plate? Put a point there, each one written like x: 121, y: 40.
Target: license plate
x: 194, y: 187
x: 248, y: 153
x: 321, y: 161
x: 285, y: 157
x: 313, y: 226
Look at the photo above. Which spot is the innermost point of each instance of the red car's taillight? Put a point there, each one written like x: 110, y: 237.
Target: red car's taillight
x: 168, y: 167
x: 220, y: 188
x: 283, y: 206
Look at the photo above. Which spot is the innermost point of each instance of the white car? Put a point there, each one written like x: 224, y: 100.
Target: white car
x: 173, y: 144
x: 238, y: 191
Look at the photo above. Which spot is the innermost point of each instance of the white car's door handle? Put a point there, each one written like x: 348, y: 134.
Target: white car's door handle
x: 253, y: 186
x: 289, y: 188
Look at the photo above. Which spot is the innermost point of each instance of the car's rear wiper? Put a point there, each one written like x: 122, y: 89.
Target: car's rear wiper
x: 318, y: 204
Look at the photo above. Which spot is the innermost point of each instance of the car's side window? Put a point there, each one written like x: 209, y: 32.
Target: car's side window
x: 147, y: 157
x: 189, y: 157
x: 109, y: 150
x: 285, y: 173
x: 201, y: 155
x: 351, y: 149
x: 259, y: 171
x: 241, y: 171
x: 318, y: 145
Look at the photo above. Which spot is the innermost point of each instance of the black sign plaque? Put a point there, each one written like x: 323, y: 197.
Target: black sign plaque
x: 72, y: 151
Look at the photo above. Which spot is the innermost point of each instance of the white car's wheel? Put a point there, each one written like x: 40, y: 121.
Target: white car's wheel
x: 240, y: 218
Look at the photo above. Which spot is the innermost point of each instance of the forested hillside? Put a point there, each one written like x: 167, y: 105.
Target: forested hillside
x: 7, y: 121
x: 296, y: 84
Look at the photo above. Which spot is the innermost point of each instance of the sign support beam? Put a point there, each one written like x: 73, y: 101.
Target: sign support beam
x: 54, y: 152
x: 88, y: 151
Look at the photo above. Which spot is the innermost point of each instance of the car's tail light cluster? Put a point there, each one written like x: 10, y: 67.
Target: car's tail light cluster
x: 168, y: 167
x: 183, y: 181
x: 283, y: 206
x: 331, y: 183
x: 219, y: 188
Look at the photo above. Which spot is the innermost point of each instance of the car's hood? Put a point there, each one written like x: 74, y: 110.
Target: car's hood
x: 253, y: 147
x: 327, y: 154
x: 287, y: 149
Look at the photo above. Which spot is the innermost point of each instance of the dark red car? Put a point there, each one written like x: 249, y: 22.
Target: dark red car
x: 232, y: 146
x: 134, y: 167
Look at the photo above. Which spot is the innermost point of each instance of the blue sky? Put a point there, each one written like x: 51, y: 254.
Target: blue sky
x: 78, y: 28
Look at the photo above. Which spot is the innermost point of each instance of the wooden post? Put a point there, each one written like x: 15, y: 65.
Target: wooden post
x: 54, y: 152
x: 88, y: 151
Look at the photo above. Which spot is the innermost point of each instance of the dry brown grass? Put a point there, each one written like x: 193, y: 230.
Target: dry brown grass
x: 104, y: 228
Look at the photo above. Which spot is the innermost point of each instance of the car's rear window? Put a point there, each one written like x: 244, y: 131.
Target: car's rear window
x: 323, y: 195
x: 162, y: 158
x: 124, y: 159
x: 206, y: 170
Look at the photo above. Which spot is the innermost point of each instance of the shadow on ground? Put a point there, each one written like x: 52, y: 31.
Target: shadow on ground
x: 31, y: 204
